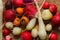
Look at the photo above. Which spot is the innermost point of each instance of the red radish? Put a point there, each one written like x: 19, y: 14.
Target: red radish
x: 30, y: 10
x: 9, y: 15
x: 26, y: 36
x: 56, y: 19
x: 8, y: 37
x: 8, y: 4
x: 18, y: 3
x: 53, y: 36
x: 6, y: 32
x: 53, y: 8
x: 46, y: 5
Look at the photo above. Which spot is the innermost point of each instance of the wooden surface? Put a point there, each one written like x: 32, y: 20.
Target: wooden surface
x: 39, y: 2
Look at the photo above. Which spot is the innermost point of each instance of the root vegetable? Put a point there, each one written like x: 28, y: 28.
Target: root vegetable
x: 16, y: 21
x: 56, y: 20
x: 8, y: 37
x: 9, y: 25
x: 46, y: 14
x: 48, y: 27
x: 46, y: 5
x: 8, y: 4
x: 6, y: 32
x: 9, y: 15
x: 18, y: 3
x: 34, y: 32
x: 16, y: 31
x: 53, y: 36
x: 19, y: 10
x: 26, y: 36
x: 30, y: 10
x: 24, y: 20
x: 42, y: 31
x: 31, y: 24
x: 53, y: 8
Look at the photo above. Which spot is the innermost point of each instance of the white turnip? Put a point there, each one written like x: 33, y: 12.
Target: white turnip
x: 9, y: 25
x: 46, y: 14
x: 16, y: 31
x: 48, y: 27
x: 34, y: 32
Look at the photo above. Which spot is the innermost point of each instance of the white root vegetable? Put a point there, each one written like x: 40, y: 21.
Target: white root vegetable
x: 9, y: 25
x: 31, y: 24
x: 16, y: 31
x: 46, y: 14
x: 48, y: 27
x: 42, y: 31
x: 34, y: 32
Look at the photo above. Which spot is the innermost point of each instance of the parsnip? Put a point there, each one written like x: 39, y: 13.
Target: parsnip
x: 42, y: 31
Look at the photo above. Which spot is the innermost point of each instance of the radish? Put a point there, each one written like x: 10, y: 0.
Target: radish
x: 48, y: 27
x: 53, y: 8
x: 9, y: 15
x: 56, y: 19
x: 46, y: 5
x: 53, y: 36
x: 30, y: 10
x: 8, y: 4
x: 18, y: 3
x: 42, y: 31
x: 6, y: 32
x: 16, y: 31
x: 26, y: 36
x: 46, y: 14
x: 8, y: 37
x: 9, y: 25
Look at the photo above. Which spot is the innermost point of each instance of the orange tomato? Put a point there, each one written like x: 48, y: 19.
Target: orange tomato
x: 24, y: 20
x: 19, y: 11
x: 16, y: 21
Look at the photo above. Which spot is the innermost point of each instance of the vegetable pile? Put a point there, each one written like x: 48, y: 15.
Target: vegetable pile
x: 25, y: 19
